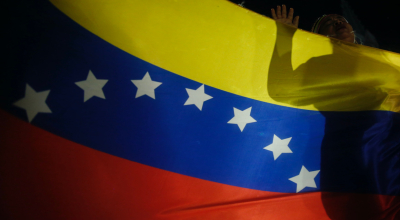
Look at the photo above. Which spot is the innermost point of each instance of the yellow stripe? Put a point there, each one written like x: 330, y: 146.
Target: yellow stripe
x: 222, y: 45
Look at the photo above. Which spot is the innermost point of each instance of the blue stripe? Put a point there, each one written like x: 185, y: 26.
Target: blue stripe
x: 355, y: 151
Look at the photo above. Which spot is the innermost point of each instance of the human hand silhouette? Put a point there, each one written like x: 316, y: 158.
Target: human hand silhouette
x: 282, y: 16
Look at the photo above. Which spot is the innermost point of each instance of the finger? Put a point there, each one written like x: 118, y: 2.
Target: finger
x: 273, y: 14
x: 279, y: 13
x: 296, y: 21
x: 291, y: 11
x: 284, y: 13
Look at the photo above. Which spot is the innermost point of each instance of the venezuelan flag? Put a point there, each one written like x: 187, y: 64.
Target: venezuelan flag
x: 178, y: 109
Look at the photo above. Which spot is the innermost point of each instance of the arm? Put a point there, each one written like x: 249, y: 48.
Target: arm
x: 282, y: 85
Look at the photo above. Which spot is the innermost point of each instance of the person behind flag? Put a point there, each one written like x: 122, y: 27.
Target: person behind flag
x: 331, y: 25
x: 341, y: 85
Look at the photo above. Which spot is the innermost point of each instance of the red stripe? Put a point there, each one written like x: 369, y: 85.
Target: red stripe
x: 44, y: 176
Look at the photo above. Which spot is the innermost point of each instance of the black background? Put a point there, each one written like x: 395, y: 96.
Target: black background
x: 381, y: 18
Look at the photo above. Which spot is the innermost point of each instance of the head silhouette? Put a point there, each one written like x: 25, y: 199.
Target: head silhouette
x: 335, y: 26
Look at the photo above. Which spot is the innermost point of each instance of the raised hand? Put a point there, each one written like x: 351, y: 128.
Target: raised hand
x: 282, y: 16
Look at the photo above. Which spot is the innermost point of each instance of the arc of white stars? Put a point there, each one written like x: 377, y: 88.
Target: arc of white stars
x: 197, y: 97
x: 146, y: 86
x: 33, y: 102
x: 242, y: 118
x: 279, y: 146
x: 92, y: 87
x: 305, y: 179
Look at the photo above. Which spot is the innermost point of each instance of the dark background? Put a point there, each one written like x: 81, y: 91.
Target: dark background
x: 380, y: 18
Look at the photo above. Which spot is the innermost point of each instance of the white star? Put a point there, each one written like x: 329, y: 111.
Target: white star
x: 241, y: 118
x: 33, y: 102
x: 279, y: 146
x: 304, y: 179
x: 146, y: 86
x: 92, y: 87
x: 197, y: 97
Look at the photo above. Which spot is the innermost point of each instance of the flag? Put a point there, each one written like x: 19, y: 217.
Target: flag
x: 172, y: 109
